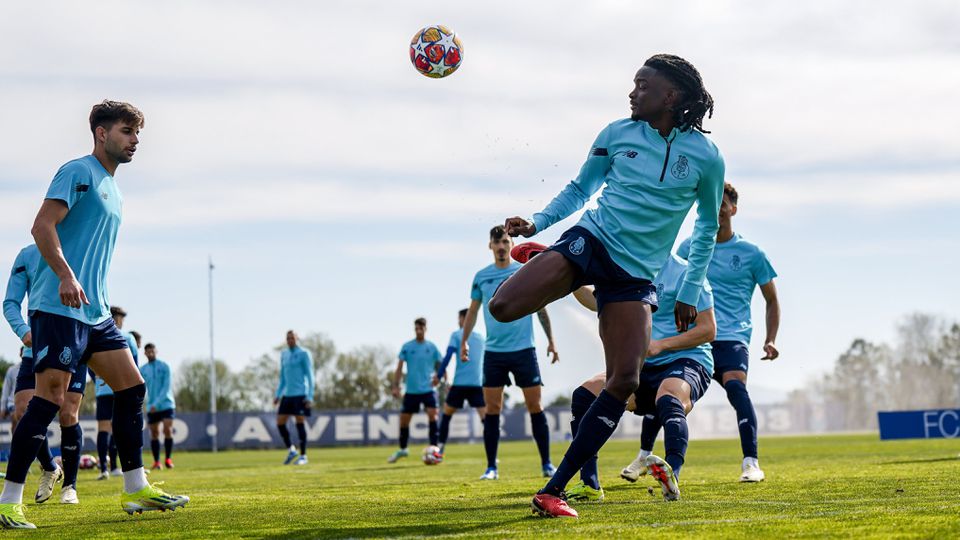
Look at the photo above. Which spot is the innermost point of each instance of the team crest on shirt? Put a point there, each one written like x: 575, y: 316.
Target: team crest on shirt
x: 66, y: 356
x: 659, y: 290
x: 735, y: 263
x: 680, y: 169
x: 103, y: 194
x: 576, y: 247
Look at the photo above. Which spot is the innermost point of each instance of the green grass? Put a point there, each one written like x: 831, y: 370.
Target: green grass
x: 837, y: 486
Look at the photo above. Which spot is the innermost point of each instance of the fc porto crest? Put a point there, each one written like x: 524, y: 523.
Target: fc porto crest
x: 735, y: 263
x: 680, y: 169
x: 576, y: 247
x: 659, y: 291
x: 66, y: 356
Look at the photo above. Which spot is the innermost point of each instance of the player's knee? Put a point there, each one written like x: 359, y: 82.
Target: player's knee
x: 68, y: 417
x: 621, y: 385
x: 500, y: 309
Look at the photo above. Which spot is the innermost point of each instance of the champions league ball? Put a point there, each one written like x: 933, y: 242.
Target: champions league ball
x: 432, y: 455
x: 436, y: 51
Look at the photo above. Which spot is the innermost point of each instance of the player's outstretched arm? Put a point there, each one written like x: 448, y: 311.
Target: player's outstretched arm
x: 704, y: 331
x: 13, y: 301
x: 468, y: 323
x: 544, y: 318
x: 397, y: 376
x: 308, y: 370
x: 44, y: 231
x: 769, y: 291
x: 702, y: 242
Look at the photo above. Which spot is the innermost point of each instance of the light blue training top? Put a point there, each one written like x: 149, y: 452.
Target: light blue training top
x: 296, y: 373
x: 469, y: 373
x: 651, y: 184
x: 156, y: 375
x: 22, y: 276
x: 501, y: 337
x: 668, y: 283
x: 421, y: 358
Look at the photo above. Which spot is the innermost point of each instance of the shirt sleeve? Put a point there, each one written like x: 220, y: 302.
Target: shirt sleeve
x: 683, y: 250
x: 705, y: 301
x: 308, y: 369
x: 69, y: 184
x: 403, y: 354
x: 763, y: 271
x: 13, y: 301
x: 475, y: 292
x: 592, y: 175
x: 709, y: 195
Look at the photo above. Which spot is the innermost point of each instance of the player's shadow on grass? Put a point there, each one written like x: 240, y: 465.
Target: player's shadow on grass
x: 420, y: 531
x: 918, y: 461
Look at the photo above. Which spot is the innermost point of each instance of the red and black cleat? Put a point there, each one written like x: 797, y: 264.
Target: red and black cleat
x: 526, y: 251
x: 168, y: 463
x: 551, y: 506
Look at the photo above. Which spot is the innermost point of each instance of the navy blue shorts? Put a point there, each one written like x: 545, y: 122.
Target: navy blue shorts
x: 457, y: 395
x: 66, y: 344
x: 105, y: 407
x: 497, y: 367
x: 412, y: 402
x: 652, y: 376
x: 157, y: 417
x: 293, y: 405
x: 26, y: 380
x: 729, y: 356
x: 595, y: 267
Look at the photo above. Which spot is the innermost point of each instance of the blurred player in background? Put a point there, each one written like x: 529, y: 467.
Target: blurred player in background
x: 294, y: 396
x: 106, y: 447
x: 422, y: 359
x: 467, y: 384
x: 161, y: 407
x: 654, y: 166
x: 509, y: 350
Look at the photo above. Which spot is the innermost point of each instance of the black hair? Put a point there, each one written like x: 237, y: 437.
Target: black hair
x: 149, y: 346
x: 107, y: 113
x: 497, y: 232
x: 695, y: 102
x: 730, y: 192
x: 463, y: 313
x: 420, y: 322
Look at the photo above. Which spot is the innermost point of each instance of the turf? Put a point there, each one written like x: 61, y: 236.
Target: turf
x: 837, y: 486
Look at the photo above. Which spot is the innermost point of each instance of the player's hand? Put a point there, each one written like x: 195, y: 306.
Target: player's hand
x: 395, y: 391
x: 276, y: 401
x: 71, y: 293
x: 654, y: 348
x: 434, y: 381
x: 552, y: 350
x: 517, y: 226
x: 464, y: 352
x: 307, y: 403
x: 684, y: 315
x: 771, y: 351
x: 28, y: 339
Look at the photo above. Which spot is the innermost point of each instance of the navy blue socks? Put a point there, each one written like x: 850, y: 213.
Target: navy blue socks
x: 541, y: 434
x: 45, y: 457
x: 491, y: 438
x: 103, y: 447
x: 30, y: 432
x: 579, y: 403
x: 649, y: 432
x: 285, y: 435
x: 596, y: 426
x: 128, y: 426
x: 404, y: 437
x: 444, y: 431
x: 675, y: 434
x: 168, y: 447
x: 746, y: 416
x: 302, y: 433
x: 114, y: 464
x: 434, y: 432
x: 155, y: 448
x: 71, y: 441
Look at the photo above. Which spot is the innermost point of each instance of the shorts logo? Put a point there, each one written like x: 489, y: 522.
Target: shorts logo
x: 735, y: 263
x: 680, y: 169
x: 576, y: 247
x: 66, y: 356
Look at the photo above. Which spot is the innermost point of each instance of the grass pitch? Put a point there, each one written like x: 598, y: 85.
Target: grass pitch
x: 836, y: 486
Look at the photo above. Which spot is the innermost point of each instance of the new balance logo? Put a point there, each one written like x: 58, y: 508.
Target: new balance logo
x: 742, y: 422
x: 673, y: 420
x: 610, y: 423
x: 41, y: 437
x: 71, y: 448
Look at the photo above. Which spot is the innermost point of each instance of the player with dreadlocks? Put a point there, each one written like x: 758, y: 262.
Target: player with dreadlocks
x: 654, y: 166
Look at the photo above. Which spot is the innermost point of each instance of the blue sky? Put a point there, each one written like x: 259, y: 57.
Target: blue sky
x: 339, y: 191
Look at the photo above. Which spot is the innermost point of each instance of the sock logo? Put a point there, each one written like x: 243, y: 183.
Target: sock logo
x: 742, y: 422
x: 71, y: 448
x: 610, y: 423
x: 672, y: 420
x: 41, y: 437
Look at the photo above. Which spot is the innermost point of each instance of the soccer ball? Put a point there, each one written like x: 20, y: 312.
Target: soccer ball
x: 436, y: 51
x: 432, y: 455
x: 87, y: 461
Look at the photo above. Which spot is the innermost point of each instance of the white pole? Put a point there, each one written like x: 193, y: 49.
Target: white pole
x: 212, y: 428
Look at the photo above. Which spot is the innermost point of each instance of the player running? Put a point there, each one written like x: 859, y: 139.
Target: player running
x: 294, y: 396
x: 509, y: 350
x: 104, y: 395
x: 161, y: 406
x: 737, y: 268
x: 22, y: 277
x: 655, y: 165
x: 467, y: 381
x: 422, y: 358
x: 75, y: 231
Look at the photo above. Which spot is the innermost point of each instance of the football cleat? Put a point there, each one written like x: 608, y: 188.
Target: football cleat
x: 68, y: 495
x: 48, y: 479
x: 292, y: 454
x: 551, y: 506
x: 526, y: 251
x: 156, y: 466
x: 402, y: 453
x: 584, y: 493
x: 549, y: 470
x: 11, y: 517
x: 301, y: 461
x: 633, y: 471
x: 752, y: 473
x: 168, y: 463
x: 104, y: 475
x: 491, y: 474
x: 661, y: 471
x: 116, y: 472
x: 151, y: 498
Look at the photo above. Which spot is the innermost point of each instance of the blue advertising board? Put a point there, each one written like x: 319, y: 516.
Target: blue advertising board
x: 930, y: 424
